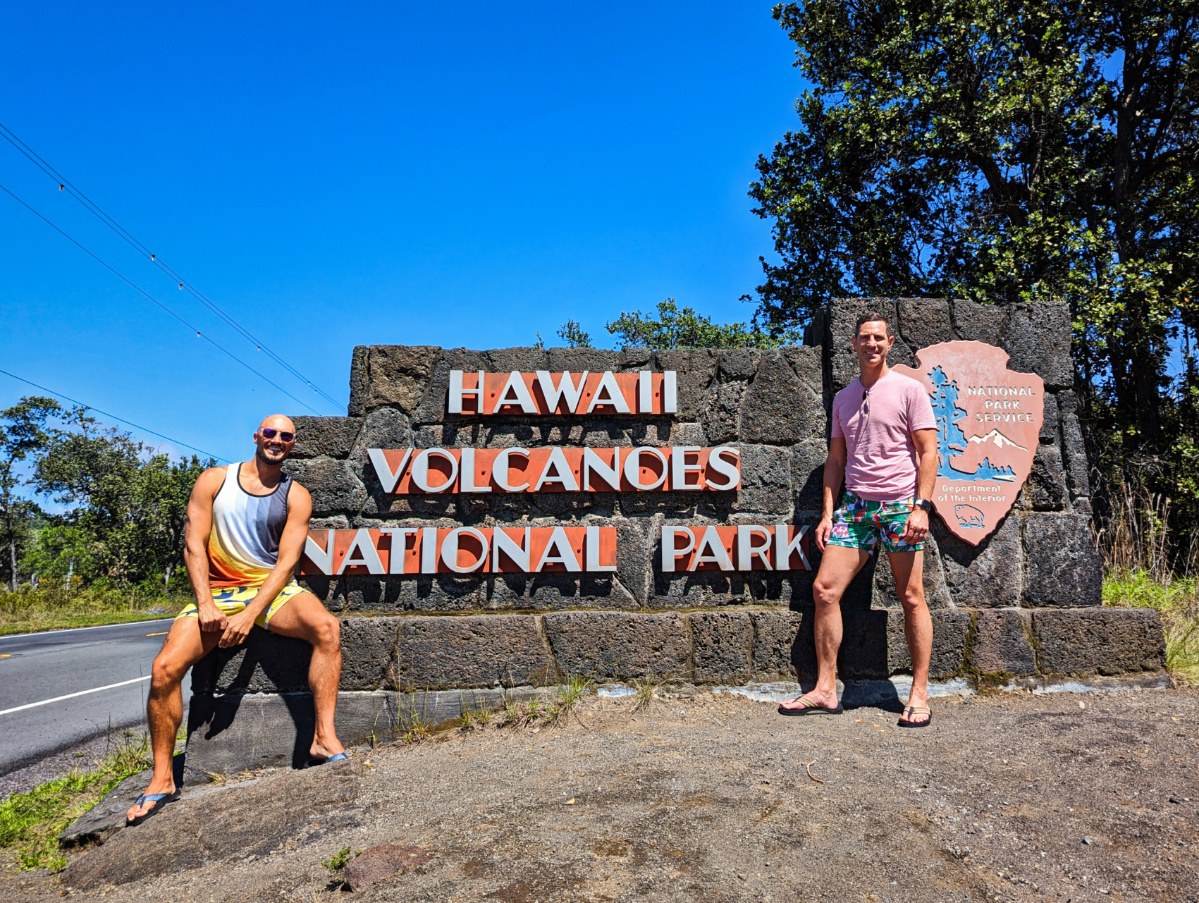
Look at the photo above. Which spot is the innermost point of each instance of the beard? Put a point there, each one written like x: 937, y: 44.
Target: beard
x: 270, y: 458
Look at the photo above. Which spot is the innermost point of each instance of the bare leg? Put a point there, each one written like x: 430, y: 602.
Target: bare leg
x: 305, y: 618
x: 908, y: 568
x: 185, y: 645
x: 837, y: 569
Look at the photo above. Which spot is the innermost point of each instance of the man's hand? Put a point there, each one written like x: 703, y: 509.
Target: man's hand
x: 916, y: 529
x: 211, y: 618
x: 824, y: 530
x: 237, y: 629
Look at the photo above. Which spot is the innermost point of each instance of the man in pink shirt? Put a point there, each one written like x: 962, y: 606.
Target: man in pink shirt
x: 884, y: 447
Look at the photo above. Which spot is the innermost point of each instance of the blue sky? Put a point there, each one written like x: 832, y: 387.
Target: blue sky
x: 439, y: 174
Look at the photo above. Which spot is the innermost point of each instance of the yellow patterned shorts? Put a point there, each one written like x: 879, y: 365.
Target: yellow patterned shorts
x: 233, y: 600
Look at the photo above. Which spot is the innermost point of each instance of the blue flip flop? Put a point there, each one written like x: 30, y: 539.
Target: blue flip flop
x: 158, y: 799
x: 336, y: 757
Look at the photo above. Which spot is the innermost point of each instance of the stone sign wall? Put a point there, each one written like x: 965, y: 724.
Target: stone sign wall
x: 1023, y: 601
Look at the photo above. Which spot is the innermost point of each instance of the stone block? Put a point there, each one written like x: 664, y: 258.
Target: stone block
x: 1077, y: 465
x: 523, y: 360
x: 765, y: 480
x: 367, y: 651
x: 1001, y: 644
x: 619, y: 645
x: 1099, y: 640
x: 333, y: 484
x: 360, y: 381
x: 865, y: 642
x: 722, y: 646
x: 576, y: 360
x: 1050, y: 421
x: 695, y: 369
x: 399, y: 374
x: 635, y: 359
x: 925, y: 321
x: 808, y: 363
x: 483, y: 651
x: 1046, y: 486
x: 782, y: 644
x: 264, y: 663
x: 1037, y: 340
x: 633, y: 568
x: 950, y: 629
x: 1062, y: 567
x: 936, y: 592
x: 976, y: 322
x: 778, y: 409
x: 737, y: 363
x: 722, y: 412
x: 431, y: 408
x: 989, y: 575
x: 807, y: 473
x: 331, y: 437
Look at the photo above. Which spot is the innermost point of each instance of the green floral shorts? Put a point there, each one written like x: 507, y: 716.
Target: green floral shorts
x: 861, y: 524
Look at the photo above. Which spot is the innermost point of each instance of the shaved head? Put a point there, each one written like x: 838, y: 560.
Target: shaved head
x: 279, y: 422
x: 274, y: 449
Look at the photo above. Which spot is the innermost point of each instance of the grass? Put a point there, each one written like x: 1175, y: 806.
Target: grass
x: 53, y: 607
x: 31, y: 822
x: 1177, y: 602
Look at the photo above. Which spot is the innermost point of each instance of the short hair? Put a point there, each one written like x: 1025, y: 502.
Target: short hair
x: 872, y: 316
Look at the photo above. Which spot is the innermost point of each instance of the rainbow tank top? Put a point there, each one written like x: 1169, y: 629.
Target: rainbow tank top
x: 243, y: 546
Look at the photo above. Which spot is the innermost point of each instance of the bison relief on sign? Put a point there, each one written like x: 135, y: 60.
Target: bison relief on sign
x: 988, y: 426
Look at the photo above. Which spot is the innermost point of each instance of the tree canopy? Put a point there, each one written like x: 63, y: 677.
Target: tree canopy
x: 999, y: 150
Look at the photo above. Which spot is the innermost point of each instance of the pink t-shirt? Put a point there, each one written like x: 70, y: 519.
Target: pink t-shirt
x: 881, y: 464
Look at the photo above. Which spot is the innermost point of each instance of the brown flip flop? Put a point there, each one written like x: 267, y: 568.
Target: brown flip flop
x: 811, y: 708
x: 911, y: 710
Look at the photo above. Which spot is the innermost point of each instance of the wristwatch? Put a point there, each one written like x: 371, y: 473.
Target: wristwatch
x: 923, y: 503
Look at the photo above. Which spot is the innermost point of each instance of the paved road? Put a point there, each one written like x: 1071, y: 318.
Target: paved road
x: 41, y: 667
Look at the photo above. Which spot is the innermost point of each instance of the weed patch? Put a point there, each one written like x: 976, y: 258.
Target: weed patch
x: 31, y: 822
x: 1176, y: 600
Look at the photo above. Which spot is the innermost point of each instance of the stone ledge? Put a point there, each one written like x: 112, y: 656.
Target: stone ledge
x: 1105, y: 641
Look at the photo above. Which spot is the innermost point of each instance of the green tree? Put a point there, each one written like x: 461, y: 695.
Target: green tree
x: 22, y: 434
x: 1000, y: 150
x: 684, y: 328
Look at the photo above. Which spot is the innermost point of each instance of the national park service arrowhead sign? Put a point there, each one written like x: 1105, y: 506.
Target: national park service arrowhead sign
x: 988, y: 426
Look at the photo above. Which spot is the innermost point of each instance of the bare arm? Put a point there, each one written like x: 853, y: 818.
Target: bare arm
x: 195, y: 548
x: 291, y: 546
x: 834, y: 476
x: 926, y: 479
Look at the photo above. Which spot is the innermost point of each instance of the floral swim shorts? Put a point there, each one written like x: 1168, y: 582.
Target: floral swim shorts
x: 860, y: 524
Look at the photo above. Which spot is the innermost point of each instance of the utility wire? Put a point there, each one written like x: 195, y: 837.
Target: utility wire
x: 110, y: 416
x: 133, y: 284
x: 128, y: 237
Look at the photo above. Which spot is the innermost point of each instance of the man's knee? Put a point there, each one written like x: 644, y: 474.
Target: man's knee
x: 167, y: 671
x: 825, y: 593
x: 326, y: 632
x: 912, y: 599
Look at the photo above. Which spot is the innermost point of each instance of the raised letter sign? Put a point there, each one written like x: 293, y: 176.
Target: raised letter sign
x: 988, y: 426
x: 601, y: 393
x: 718, y: 548
x: 461, y: 550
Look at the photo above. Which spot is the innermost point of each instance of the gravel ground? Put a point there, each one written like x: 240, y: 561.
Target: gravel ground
x: 1063, y: 797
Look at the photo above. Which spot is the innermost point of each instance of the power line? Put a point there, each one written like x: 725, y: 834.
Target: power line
x: 134, y: 285
x: 65, y: 185
x: 89, y: 407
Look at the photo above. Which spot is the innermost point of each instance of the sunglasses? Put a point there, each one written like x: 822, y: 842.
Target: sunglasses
x: 268, y: 432
x: 866, y: 402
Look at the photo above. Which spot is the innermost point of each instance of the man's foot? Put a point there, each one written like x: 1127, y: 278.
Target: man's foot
x: 915, y: 716
x: 324, y: 752
x: 810, y: 704
x: 149, y: 804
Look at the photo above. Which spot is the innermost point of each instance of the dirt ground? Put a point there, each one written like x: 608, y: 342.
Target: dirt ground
x: 1062, y: 797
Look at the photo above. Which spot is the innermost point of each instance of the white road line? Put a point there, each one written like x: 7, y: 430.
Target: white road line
x: 13, y: 636
x: 34, y: 705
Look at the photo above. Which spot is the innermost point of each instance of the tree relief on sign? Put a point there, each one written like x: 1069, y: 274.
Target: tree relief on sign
x: 681, y: 468
x: 542, y: 393
x: 988, y: 426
